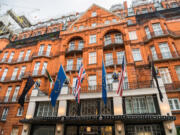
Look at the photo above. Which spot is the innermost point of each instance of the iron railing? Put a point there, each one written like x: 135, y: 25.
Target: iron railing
x: 42, y: 54
x: 74, y: 67
x: 172, y: 86
x: 112, y: 41
x: 9, y: 99
x: 167, y: 55
x: 162, y: 33
x: 127, y: 86
x: 113, y: 62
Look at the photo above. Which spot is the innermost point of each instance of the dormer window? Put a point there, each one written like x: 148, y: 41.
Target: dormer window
x: 38, y: 33
x: 81, y: 27
x: 93, y: 25
x: 94, y: 14
x: 24, y: 36
x: 54, y: 29
x: 75, y: 28
x: 107, y: 22
x: 114, y: 20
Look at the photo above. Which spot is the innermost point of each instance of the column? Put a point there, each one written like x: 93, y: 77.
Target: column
x: 61, y: 112
x: 26, y: 129
x: 169, y: 126
x: 118, y: 110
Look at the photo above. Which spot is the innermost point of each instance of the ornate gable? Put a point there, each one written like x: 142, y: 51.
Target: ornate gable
x: 94, y: 16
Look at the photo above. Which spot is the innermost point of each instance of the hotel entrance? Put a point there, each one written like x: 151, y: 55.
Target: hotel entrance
x: 43, y: 130
x: 90, y: 130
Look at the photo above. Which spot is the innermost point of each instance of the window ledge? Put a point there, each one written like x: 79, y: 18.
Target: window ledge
x: 138, y: 60
x: 92, y: 64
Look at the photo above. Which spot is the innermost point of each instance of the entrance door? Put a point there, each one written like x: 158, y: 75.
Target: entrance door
x: 90, y: 130
x: 43, y: 130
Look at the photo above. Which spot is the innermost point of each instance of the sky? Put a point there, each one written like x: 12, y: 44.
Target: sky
x: 41, y: 10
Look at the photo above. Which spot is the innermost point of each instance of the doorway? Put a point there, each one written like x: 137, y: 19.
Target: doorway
x: 43, y: 130
x: 90, y: 130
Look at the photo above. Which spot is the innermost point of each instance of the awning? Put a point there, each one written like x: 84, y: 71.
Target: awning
x: 106, y: 119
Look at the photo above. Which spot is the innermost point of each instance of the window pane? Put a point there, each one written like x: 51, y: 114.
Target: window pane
x: 157, y: 29
x: 176, y: 103
x: 178, y: 71
x: 132, y: 35
x: 153, y: 51
x: 164, y: 48
x: 164, y: 72
x: 92, y: 39
x: 136, y: 54
x: 171, y: 104
x: 92, y: 58
x: 109, y: 59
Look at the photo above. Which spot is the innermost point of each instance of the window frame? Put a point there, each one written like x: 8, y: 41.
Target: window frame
x: 5, y: 113
x: 92, y: 39
x: 133, y: 35
x: 178, y: 72
x: 94, y: 14
x: 20, y: 111
x: 92, y: 59
x: 137, y: 52
x: 173, y: 104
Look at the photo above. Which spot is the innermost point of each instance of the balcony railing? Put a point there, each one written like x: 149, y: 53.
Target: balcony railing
x: 33, y: 39
x: 14, y: 61
x: 74, y: 49
x: 112, y: 41
x: 172, y: 86
x: 37, y: 73
x: 42, y: 54
x: 74, y: 67
x: 167, y: 55
x: 4, y: 99
x: 160, y: 34
x: 113, y: 62
x: 112, y: 87
x: 10, y: 79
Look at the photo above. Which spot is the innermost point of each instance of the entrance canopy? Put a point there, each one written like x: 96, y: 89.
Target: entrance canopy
x: 99, y: 119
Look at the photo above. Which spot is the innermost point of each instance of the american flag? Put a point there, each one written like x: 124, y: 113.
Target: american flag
x: 79, y: 80
x: 121, y: 78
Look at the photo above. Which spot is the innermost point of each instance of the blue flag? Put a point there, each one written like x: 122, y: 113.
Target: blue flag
x: 104, y: 92
x: 58, y: 85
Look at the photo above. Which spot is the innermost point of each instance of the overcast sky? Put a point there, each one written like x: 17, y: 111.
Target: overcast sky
x: 43, y: 9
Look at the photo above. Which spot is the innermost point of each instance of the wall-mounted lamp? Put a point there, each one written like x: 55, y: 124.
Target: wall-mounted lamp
x: 59, y: 129
x: 2, y: 132
x: 88, y: 129
x: 25, y: 128
x: 169, y: 127
x: 119, y: 128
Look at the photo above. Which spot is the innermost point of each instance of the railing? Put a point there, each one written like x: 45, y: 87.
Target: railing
x: 160, y: 34
x: 110, y: 41
x: 172, y: 86
x: 111, y: 87
x: 113, y: 62
x: 10, y: 99
x: 74, y: 67
x: 14, y: 61
x: 42, y: 54
x: 10, y: 79
x: 33, y: 39
x: 36, y: 73
x: 167, y: 55
x: 74, y: 49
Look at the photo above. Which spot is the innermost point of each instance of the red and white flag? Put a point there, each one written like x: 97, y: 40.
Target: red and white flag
x: 121, y: 78
x: 80, y: 78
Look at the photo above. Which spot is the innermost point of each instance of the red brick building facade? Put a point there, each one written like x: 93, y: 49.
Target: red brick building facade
x: 142, y: 31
